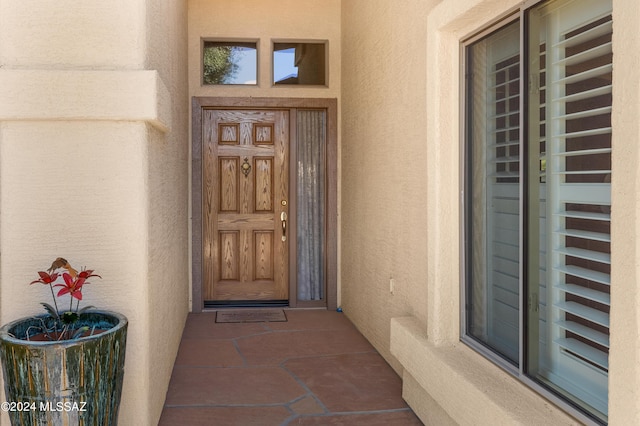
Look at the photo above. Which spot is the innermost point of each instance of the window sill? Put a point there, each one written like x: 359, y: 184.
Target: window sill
x: 469, y: 388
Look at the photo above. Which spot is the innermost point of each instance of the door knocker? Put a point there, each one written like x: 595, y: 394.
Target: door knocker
x: 246, y: 167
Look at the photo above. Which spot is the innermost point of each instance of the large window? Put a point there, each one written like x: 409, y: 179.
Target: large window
x: 538, y: 198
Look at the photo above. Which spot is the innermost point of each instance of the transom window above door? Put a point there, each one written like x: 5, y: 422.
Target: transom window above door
x: 293, y: 63
x: 299, y: 63
x: 229, y: 62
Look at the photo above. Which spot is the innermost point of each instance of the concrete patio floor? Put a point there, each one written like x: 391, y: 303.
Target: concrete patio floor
x: 314, y: 369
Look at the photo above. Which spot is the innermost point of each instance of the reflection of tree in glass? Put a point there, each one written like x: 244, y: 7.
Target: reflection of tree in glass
x: 220, y: 65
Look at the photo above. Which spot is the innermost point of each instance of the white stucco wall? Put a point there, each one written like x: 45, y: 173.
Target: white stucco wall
x: 624, y: 358
x: 73, y: 190
x: 69, y: 35
x: 93, y: 125
x: 168, y: 255
x: 385, y: 167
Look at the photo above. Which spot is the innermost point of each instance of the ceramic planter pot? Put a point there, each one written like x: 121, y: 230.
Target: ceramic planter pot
x: 68, y: 382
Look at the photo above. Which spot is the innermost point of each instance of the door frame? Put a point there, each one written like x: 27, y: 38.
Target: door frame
x: 198, y: 106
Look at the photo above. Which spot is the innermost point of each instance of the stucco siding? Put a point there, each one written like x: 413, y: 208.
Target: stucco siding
x: 624, y: 358
x: 93, y: 167
x: 385, y: 167
x: 168, y: 255
x: 76, y: 189
x: 96, y: 35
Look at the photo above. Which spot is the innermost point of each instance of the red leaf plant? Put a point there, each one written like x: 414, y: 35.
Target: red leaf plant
x: 62, y: 326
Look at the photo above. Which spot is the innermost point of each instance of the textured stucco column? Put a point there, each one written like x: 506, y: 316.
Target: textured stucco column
x: 93, y: 166
x: 624, y: 355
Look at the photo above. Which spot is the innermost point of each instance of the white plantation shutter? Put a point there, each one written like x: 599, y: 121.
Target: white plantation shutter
x: 577, y: 88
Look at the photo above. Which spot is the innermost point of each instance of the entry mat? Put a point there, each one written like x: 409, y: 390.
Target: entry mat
x: 251, y: 315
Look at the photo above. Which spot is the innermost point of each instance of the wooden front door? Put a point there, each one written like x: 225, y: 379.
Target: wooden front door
x: 245, y: 205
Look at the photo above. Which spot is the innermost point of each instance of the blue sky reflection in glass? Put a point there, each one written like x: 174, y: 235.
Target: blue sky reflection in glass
x: 246, y: 59
x: 283, y: 64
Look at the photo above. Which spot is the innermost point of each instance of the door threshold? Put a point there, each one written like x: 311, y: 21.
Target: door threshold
x: 211, y: 304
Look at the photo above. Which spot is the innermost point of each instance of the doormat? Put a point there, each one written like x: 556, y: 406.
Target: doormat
x: 254, y: 315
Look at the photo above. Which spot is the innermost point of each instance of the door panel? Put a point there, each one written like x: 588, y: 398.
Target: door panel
x: 245, y: 193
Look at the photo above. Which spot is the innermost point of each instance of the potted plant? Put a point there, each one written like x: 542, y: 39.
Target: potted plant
x: 65, y: 366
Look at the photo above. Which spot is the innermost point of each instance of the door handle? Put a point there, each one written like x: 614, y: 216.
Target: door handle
x: 283, y: 219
